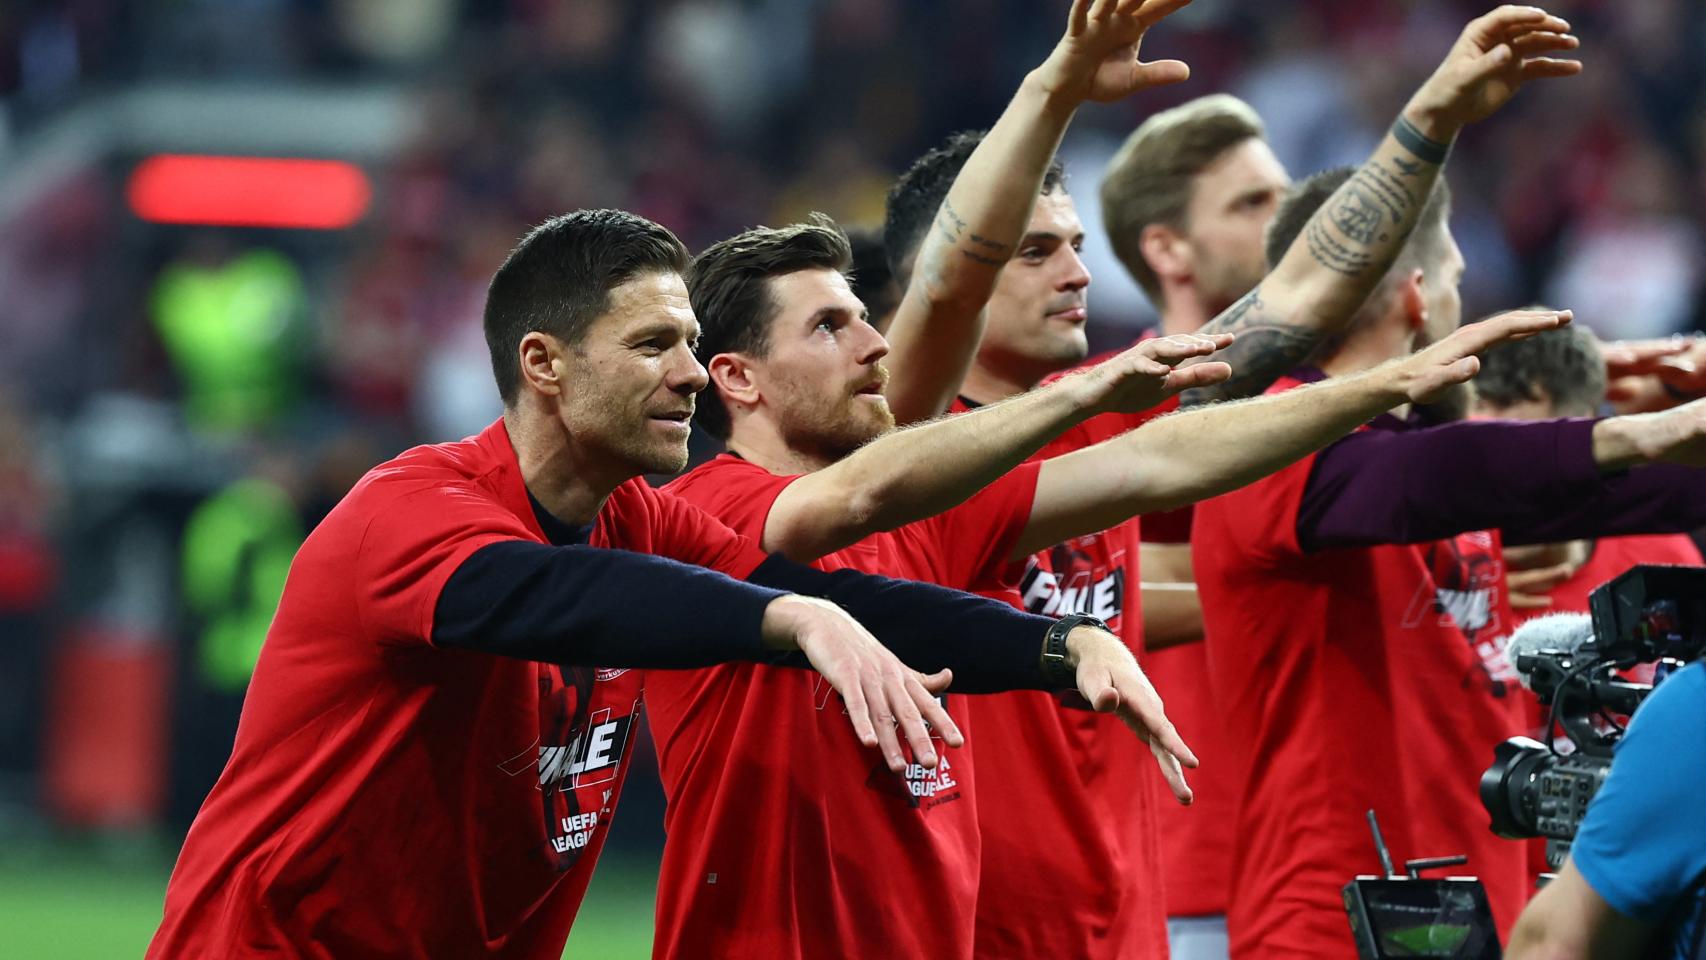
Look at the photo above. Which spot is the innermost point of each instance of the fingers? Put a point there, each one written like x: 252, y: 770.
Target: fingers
x: 1545, y: 68
x: 859, y: 711
x: 1497, y: 23
x: 911, y: 722
x: 1162, y: 72
x: 1183, y: 346
x: 1077, y: 20
x: 1538, y: 42
x: 1205, y: 374
x: 936, y: 715
x: 936, y: 682
x: 1173, y: 774
x: 883, y: 719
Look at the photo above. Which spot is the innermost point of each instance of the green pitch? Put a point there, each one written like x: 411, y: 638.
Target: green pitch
x: 70, y: 902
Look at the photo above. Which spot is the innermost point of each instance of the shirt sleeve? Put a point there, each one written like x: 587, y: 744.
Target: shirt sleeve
x: 1536, y: 481
x: 410, y: 547
x: 975, y: 540
x: 693, y: 535
x: 589, y: 606
x: 990, y: 645
x: 1641, y: 846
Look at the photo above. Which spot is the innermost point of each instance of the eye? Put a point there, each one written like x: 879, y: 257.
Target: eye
x: 827, y: 325
x: 1033, y: 254
x: 652, y: 347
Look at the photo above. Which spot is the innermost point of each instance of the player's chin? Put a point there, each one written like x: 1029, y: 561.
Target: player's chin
x: 663, y: 457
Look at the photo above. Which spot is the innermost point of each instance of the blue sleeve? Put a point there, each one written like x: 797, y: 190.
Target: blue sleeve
x: 588, y: 606
x: 1642, y: 846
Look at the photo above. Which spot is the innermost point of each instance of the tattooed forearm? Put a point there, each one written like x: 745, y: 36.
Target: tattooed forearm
x: 951, y: 227
x: 1262, y: 354
x: 1364, y: 224
x: 1266, y: 349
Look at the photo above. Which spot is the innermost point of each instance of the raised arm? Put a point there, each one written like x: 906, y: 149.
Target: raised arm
x: 937, y: 327
x: 1202, y: 453
x: 921, y: 471
x: 1351, y: 242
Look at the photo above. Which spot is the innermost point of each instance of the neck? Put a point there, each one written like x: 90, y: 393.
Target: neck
x: 987, y: 383
x: 1367, y: 349
x: 570, y: 481
x: 1183, y: 309
x: 765, y: 447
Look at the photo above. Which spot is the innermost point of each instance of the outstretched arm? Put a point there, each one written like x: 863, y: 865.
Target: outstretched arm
x: 1349, y: 244
x: 1538, y: 482
x: 1197, y: 454
x: 921, y: 471
x: 937, y: 327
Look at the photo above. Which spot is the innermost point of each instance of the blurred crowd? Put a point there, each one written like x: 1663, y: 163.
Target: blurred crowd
x: 179, y: 405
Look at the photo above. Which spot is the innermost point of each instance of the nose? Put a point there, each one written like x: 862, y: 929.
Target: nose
x: 1076, y: 275
x: 687, y: 375
x: 872, y: 346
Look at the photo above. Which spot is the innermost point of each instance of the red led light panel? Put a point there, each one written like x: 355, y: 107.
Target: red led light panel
x: 249, y: 192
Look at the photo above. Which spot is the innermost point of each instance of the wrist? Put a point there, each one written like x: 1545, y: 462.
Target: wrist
x: 1051, y: 90
x: 1623, y: 442
x: 783, y: 622
x: 1430, y: 121
x: 1068, y: 641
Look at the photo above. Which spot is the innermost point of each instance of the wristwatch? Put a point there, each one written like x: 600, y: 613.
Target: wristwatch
x: 1057, y: 669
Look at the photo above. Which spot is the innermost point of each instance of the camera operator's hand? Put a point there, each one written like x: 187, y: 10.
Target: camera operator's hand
x: 881, y: 693
x: 1429, y: 372
x: 1109, y: 678
x: 1671, y: 436
x: 1494, y: 56
x: 1097, y: 58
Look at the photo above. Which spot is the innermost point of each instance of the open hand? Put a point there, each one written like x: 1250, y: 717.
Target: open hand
x: 1150, y: 372
x: 1097, y: 58
x: 1494, y: 56
x: 1428, y: 373
x: 1647, y: 375
x: 881, y: 693
x: 1109, y: 678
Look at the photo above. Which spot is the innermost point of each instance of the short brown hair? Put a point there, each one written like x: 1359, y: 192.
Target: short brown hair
x: 1149, y: 180
x: 728, y: 285
x: 558, y: 280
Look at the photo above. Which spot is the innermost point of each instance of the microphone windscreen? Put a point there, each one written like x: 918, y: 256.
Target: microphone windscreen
x: 1554, y: 631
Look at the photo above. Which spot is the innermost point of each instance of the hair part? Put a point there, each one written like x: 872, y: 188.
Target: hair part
x: 1151, y: 177
x: 918, y: 194
x: 558, y: 281
x: 1563, y: 366
x: 728, y: 285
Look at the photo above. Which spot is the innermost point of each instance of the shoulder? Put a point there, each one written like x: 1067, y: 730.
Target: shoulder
x: 726, y: 481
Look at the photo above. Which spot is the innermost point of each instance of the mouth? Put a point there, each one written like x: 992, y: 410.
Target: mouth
x: 1070, y: 314
x: 676, y: 417
x: 872, y: 389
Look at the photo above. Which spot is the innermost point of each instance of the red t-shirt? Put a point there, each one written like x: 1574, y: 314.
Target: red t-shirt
x: 1071, y: 861
x: 388, y: 798
x: 1614, y: 555
x: 787, y: 837
x: 1350, y: 679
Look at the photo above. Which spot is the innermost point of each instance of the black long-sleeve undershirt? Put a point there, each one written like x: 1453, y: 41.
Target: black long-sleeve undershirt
x: 582, y: 605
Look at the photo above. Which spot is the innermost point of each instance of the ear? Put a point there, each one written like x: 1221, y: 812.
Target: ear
x: 542, y: 366
x: 1410, y: 299
x: 734, y: 377
x: 1167, y: 252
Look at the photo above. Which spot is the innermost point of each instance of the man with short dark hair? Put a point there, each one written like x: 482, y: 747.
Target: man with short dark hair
x: 1058, y: 771
x: 437, y: 730
x: 1355, y: 611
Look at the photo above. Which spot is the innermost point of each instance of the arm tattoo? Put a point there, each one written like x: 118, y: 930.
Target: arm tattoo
x: 952, y: 227
x: 1364, y: 213
x: 1266, y: 349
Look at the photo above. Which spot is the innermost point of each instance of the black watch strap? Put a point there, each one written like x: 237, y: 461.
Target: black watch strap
x: 1057, y: 669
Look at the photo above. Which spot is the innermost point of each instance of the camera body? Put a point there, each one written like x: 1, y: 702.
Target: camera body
x: 1650, y: 614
